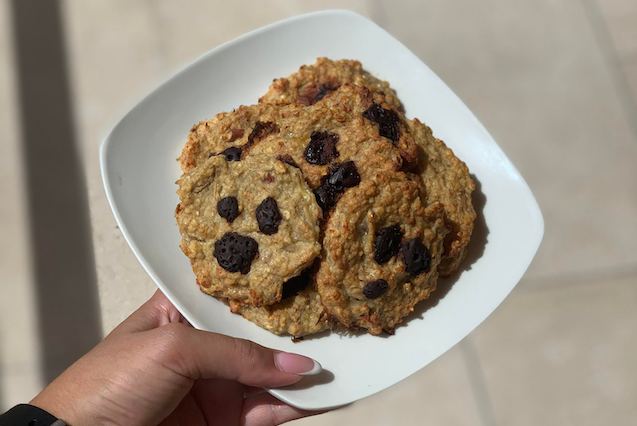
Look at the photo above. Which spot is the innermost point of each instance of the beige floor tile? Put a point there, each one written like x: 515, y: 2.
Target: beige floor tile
x: 563, y: 356
x: 115, y: 59
x: 438, y: 395
x: 18, y: 315
x: 21, y: 382
x: 192, y: 27
x: 620, y: 17
x: 630, y: 71
x: 532, y: 72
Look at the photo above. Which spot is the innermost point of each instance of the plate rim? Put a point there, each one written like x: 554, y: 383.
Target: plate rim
x: 148, y: 268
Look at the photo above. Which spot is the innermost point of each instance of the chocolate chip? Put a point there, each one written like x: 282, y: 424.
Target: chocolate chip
x: 268, y: 216
x: 416, y: 257
x: 345, y: 175
x: 228, y: 208
x: 232, y: 154
x: 386, y: 119
x: 235, y: 252
x: 311, y: 93
x: 322, y: 148
x: 387, y: 243
x: 326, y: 196
x: 295, y: 285
x: 260, y: 131
x: 375, y: 289
x: 341, y: 177
x: 324, y: 89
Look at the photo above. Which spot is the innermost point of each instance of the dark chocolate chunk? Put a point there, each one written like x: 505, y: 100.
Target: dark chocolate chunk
x: 386, y: 119
x: 387, y: 243
x: 232, y: 154
x: 235, y: 252
x: 416, y: 257
x: 324, y: 89
x: 260, y: 131
x: 311, y: 93
x: 268, y: 216
x: 341, y: 177
x: 322, y: 148
x: 375, y: 289
x: 326, y: 196
x: 228, y: 208
x: 345, y: 175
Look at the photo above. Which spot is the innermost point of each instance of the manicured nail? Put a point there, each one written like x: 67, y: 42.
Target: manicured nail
x: 296, y: 364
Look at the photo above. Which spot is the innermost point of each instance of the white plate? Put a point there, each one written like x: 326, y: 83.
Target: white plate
x: 139, y: 170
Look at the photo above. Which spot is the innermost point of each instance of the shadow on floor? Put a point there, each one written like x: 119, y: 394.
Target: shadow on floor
x: 61, y: 248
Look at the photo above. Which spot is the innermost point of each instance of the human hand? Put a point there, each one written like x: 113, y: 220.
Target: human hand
x: 155, y: 368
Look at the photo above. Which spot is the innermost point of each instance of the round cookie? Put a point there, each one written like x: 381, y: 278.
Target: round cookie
x: 380, y: 255
x: 446, y: 179
x: 247, y: 226
x: 311, y: 83
x: 299, y: 313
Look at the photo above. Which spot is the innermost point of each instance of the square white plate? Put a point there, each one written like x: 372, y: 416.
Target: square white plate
x: 139, y: 170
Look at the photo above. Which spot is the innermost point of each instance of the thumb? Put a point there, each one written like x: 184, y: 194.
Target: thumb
x: 199, y: 354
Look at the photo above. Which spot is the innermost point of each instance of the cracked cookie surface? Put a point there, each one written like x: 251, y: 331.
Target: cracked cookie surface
x: 381, y: 250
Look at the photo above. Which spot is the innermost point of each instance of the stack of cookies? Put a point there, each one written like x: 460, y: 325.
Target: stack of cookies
x: 322, y: 206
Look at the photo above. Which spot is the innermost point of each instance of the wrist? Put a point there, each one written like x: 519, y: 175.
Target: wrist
x: 56, y: 407
x: 27, y: 415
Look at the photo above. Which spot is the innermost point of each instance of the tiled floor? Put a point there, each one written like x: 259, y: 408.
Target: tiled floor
x: 441, y: 394
x: 563, y: 355
x: 555, y: 83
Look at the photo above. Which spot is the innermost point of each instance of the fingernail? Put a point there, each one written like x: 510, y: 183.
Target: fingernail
x: 296, y: 364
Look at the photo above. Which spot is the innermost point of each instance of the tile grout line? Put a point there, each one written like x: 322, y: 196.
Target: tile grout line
x: 531, y: 285
x: 630, y: 59
x: 613, y: 62
x: 478, y: 382
x: 378, y: 14
x: 160, y: 45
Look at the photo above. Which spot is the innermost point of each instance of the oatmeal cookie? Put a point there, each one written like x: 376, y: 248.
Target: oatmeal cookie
x: 311, y: 83
x: 381, y: 250
x: 247, y: 226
